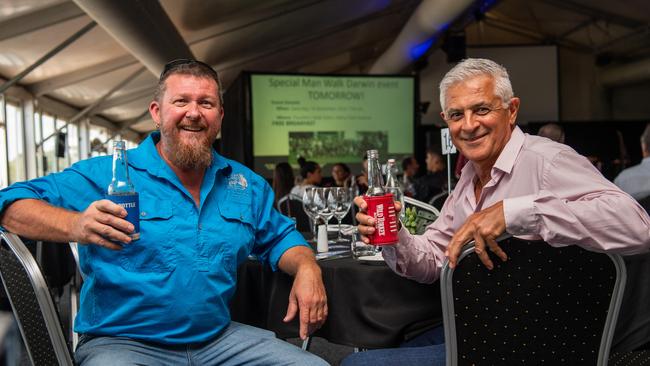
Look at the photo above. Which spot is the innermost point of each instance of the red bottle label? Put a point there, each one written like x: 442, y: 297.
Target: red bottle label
x: 382, y: 208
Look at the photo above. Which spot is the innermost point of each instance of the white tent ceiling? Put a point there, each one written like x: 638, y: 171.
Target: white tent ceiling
x: 316, y: 36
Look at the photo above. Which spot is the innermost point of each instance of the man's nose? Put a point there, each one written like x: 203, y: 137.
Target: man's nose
x: 469, y: 121
x: 192, y: 112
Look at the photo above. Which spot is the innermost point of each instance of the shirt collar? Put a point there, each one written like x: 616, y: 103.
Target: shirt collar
x: 508, y: 156
x: 146, y: 157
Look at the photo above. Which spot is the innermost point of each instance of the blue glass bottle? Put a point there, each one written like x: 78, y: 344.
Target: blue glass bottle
x: 122, y: 191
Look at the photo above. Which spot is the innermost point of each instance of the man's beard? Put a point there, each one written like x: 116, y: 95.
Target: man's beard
x: 187, y: 156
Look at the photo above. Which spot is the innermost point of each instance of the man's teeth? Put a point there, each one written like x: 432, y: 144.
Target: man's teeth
x: 193, y: 129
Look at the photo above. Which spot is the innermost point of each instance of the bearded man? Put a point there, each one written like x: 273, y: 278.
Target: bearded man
x: 163, y: 299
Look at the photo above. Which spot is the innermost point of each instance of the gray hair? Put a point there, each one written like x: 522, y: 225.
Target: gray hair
x: 645, y: 137
x: 473, y: 67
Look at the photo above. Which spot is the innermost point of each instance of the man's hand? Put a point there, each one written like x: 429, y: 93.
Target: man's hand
x: 102, y: 223
x: 367, y: 223
x: 307, y: 296
x: 483, y: 227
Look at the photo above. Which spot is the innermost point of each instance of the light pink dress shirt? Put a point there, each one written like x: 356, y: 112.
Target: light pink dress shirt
x: 549, y: 192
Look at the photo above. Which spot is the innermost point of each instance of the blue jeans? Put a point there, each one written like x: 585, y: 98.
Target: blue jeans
x: 425, y: 349
x: 239, y: 344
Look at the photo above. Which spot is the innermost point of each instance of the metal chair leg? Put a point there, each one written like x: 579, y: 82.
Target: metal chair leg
x: 306, y: 343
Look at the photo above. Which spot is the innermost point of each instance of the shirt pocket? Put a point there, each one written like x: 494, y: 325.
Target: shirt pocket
x: 236, y: 234
x: 154, y: 252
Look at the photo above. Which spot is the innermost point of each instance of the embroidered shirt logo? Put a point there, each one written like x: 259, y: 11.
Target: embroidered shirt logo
x: 237, y: 181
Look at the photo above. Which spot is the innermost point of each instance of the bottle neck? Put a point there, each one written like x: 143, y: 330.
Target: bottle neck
x: 391, y: 180
x: 120, y: 182
x: 375, y: 180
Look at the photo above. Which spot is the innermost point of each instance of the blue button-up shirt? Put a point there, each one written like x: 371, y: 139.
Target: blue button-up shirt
x: 173, y: 285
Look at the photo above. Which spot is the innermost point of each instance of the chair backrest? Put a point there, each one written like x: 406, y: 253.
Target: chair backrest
x: 291, y: 205
x: 32, y: 304
x: 426, y: 214
x: 438, y: 200
x: 544, y: 305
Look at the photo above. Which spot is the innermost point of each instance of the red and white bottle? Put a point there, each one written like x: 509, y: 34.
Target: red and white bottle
x: 380, y: 205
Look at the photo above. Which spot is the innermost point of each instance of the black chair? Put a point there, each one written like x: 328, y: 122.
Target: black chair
x: 32, y: 304
x: 426, y: 214
x: 438, y: 200
x: 545, y: 305
x: 291, y: 205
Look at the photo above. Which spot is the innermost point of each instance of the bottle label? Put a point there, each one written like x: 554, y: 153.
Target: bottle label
x: 382, y: 208
x: 131, y: 203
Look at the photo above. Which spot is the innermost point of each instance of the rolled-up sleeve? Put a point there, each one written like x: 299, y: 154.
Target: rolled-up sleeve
x: 421, y: 257
x: 275, y: 233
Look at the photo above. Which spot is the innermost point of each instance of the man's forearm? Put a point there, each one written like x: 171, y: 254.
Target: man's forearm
x: 38, y: 220
x: 295, y: 257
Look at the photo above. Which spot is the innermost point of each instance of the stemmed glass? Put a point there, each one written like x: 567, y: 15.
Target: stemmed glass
x: 310, y: 209
x: 322, y: 206
x: 339, y: 201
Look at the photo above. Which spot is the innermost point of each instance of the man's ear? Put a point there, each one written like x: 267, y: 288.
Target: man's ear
x: 442, y: 115
x: 154, y: 111
x: 513, y: 108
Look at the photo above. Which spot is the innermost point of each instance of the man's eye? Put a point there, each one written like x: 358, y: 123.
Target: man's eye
x: 207, y: 104
x: 482, y: 111
x: 455, y: 116
x: 180, y: 102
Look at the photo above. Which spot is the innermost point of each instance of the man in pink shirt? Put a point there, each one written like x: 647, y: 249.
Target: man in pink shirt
x: 527, y: 186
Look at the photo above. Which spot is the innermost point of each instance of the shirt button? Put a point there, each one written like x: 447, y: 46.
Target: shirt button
x: 143, y: 214
x: 200, y: 227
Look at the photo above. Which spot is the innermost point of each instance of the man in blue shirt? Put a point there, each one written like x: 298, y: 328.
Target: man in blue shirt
x: 163, y: 299
x: 635, y: 180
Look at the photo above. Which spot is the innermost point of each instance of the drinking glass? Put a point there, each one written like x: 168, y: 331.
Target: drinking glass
x: 339, y: 201
x: 322, y: 206
x: 310, y: 209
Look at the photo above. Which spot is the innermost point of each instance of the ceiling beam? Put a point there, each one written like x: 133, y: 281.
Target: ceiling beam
x: 142, y: 27
x: 287, y: 45
x: 509, y: 25
x: 137, y: 94
x: 79, y: 75
x: 38, y: 19
x: 593, y: 12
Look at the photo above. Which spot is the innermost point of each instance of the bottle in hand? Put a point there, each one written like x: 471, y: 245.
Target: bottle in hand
x: 122, y: 191
x: 380, y: 204
x: 393, y: 184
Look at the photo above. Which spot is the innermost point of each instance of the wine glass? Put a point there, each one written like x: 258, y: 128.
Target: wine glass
x: 310, y: 209
x: 322, y: 207
x: 339, y: 201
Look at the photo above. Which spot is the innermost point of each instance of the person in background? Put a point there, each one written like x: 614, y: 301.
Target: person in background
x: 527, y: 186
x: 362, y: 179
x: 341, y: 175
x: 435, y: 181
x: 635, y: 180
x: 283, y: 180
x: 552, y: 131
x: 410, y: 167
x: 311, y: 176
x: 163, y: 299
